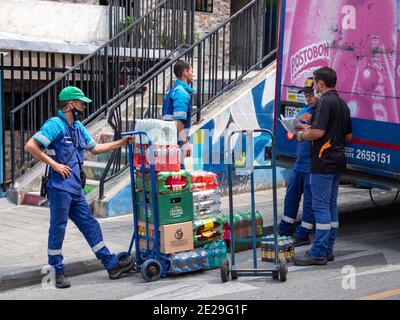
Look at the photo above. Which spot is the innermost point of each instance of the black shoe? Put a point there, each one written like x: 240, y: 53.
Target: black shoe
x: 61, y: 281
x: 299, y: 243
x: 124, y: 266
x: 330, y: 257
x: 308, y: 260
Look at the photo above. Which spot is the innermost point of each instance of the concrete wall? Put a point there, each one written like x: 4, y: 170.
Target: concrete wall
x: 49, y: 20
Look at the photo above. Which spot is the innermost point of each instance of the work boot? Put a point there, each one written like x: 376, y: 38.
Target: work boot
x: 61, y: 281
x: 330, y: 257
x: 308, y: 260
x: 300, y: 242
x: 124, y: 266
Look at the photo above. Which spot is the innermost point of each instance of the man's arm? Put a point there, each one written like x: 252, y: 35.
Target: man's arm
x: 110, y: 146
x: 183, y: 136
x: 33, y: 147
x: 310, y: 134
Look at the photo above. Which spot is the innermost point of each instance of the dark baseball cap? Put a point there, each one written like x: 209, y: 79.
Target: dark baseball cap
x: 308, y: 86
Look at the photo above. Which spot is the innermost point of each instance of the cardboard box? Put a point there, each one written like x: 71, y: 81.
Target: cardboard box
x: 173, y: 237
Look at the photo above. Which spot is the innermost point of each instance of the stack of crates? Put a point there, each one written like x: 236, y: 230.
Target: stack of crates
x: 174, y: 198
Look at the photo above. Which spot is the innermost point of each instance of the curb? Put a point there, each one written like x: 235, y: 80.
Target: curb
x: 35, y: 276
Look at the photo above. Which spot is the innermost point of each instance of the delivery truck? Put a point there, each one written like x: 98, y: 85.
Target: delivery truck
x: 360, y: 39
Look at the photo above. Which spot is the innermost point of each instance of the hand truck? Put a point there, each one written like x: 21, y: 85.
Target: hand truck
x: 280, y: 269
x: 151, y: 263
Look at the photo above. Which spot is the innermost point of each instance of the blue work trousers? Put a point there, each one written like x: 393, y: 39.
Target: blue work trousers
x: 64, y: 205
x: 299, y: 185
x: 325, y: 188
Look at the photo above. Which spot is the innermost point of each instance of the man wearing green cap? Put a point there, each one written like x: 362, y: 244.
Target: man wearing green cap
x: 66, y: 139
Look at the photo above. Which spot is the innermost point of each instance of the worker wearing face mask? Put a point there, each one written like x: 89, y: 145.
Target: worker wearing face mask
x: 66, y: 140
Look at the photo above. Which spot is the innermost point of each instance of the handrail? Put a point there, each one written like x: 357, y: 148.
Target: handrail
x: 209, y: 57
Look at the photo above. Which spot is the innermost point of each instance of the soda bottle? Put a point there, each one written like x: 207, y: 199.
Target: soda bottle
x: 259, y: 224
x: 306, y: 51
x: 368, y: 29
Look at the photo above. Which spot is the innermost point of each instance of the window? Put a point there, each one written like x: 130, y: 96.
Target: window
x: 204, y: 5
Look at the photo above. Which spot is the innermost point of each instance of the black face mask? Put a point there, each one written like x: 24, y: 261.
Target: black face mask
x: 76, y: 114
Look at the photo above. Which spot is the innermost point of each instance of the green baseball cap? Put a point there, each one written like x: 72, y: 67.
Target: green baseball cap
x: 73, y: 93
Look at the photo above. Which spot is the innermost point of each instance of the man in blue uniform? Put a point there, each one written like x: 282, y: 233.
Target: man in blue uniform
x: 177, y: 104
x: 66, y: 139
x: 299, y: 182
x: 330, y: 129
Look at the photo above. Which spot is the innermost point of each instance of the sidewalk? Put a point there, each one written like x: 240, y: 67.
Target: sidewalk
x: 24, y: 230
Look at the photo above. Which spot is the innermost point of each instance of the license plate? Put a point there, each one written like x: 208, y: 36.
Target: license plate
x: 290, y: 111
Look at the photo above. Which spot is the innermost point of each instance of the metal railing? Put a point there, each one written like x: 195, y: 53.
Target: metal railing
x: 25, y: 73
x: 218, y: 65
x: 106, y: 73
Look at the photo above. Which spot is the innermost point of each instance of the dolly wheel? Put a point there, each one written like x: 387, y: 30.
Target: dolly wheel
x: 225, y: 270
x: 283, y: 270
x: 275, y: 274
x: 234, y: 275
x: 151, y: 270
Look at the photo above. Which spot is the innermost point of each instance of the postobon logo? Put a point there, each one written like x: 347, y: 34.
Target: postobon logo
x: 176, y: 212
x: 301, y: 60
x: 179, y: 234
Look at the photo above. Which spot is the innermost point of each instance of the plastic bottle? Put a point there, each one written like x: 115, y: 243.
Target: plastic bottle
x: 259, y: 224
x: 369, y: 67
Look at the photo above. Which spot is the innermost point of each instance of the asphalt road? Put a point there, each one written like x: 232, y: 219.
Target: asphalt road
x: 366, y: 266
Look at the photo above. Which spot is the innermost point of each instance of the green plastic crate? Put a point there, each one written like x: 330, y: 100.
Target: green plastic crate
x: 172, y: 208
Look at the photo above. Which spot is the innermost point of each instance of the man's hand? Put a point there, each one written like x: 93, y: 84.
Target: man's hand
x: 302, y: 127
x: 63, y: 170
x: 128, y: 139
x: 305, y: 117
x: 187, y: 149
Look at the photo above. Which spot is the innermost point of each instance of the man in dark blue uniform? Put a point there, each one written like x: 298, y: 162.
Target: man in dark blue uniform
x: 330, y: 129
x: 299, y: 182
x: 66, y: 139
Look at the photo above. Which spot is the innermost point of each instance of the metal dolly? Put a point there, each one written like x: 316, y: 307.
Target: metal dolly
x: 149, y: 261
x: 280, y: 270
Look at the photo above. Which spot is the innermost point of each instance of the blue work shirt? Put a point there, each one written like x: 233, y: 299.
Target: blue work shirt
x: 182, y: 102
x: 303, y: 148
x: 55, y: 135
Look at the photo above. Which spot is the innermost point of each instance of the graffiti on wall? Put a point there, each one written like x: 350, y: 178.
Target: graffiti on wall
x: 253, y: 109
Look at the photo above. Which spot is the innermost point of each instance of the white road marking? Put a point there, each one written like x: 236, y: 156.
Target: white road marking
x: 193, y: 289
x: 388, y: 268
